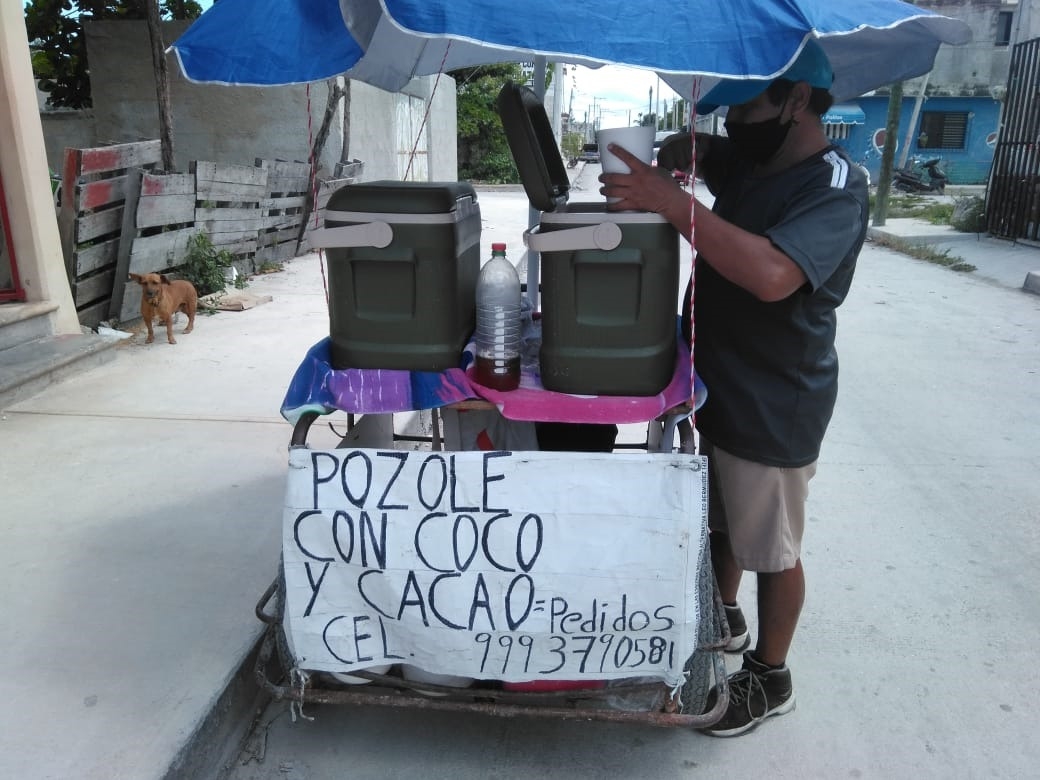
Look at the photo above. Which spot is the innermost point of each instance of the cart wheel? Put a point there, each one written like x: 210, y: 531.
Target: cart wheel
x: 285, y: 657
x: 700, y: 667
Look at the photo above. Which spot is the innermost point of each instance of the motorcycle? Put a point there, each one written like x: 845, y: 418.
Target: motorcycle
x: 929, y: 179
x: 572, y: 162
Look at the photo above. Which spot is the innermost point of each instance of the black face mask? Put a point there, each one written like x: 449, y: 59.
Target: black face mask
x: 759, y: 141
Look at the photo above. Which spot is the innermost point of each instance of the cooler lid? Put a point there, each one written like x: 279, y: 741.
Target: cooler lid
x: 402, y: 197
x: 533, y: 147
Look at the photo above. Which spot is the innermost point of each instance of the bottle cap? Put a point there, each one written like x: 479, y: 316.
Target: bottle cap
x: 498, y: 247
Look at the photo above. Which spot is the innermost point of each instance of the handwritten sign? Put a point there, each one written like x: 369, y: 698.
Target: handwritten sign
x: 513, y: 566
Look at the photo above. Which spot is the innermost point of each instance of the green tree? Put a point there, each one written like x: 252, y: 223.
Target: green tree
x: 482, y: 146
x: 59, y: 49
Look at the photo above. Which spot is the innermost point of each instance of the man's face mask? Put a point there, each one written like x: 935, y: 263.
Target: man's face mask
x: 759, y: 141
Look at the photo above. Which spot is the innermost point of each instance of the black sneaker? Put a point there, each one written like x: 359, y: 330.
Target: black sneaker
x: 740, y: 638
x: 756, y: 692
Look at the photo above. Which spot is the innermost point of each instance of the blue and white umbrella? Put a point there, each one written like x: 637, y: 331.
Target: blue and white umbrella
x: 386, y: 43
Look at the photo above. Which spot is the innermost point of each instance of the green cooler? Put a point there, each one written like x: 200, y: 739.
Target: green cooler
x: 403, y: 259
x: 609, y: 279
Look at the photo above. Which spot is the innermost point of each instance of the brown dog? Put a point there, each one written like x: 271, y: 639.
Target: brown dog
x: 162, y: 298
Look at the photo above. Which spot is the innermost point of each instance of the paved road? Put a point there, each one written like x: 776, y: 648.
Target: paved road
x: 916, y: 653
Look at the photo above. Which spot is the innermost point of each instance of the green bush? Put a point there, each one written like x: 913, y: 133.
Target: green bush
x: 495, y: 168
x: 205, y: 265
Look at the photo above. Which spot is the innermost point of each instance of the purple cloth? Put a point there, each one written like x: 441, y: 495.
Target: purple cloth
x: 317, y: 387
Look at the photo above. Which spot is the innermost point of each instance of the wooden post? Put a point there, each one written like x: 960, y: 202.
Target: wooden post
x: 126, y: 241
x: 884, y: 185
x: 162, y: 85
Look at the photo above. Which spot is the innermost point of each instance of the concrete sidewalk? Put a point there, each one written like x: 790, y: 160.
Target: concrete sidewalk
x: 1002, y: 262
x: 141, y: 523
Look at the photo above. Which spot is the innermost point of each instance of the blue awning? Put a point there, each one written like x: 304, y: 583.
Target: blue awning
x: 844, y: 114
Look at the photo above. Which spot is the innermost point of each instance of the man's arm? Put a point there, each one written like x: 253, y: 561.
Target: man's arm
x: 748, y: 260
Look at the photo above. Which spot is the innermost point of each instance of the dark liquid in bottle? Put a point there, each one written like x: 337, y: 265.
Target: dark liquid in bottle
x: 498, y: 374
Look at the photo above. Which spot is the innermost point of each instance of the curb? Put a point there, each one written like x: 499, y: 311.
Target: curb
x: 211, y: 749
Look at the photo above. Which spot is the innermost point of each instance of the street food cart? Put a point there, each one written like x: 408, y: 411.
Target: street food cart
x: 604, y: 606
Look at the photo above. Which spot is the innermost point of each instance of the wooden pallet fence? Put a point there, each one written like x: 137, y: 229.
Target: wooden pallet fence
x: 227, y: 208
x: 282, y: 210
x: 90, y: 220
x: 326, y: 189
x: 155, y: 235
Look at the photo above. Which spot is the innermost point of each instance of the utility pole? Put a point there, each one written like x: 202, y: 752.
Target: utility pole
x: 650, y: 105
x: 557, y: 103
x: 657, y: 113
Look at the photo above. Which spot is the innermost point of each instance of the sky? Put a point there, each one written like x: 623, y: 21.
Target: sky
x: 619, y: 94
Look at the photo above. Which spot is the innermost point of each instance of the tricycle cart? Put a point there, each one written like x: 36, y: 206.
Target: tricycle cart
x: 643, y: 695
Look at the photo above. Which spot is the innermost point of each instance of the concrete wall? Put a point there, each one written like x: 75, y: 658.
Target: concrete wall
x: 239, y: 124
x: 66, y: 128
x: 23, y: 167
x: 977, y: 66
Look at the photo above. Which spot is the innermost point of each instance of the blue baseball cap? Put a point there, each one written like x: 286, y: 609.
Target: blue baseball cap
x: 811, y: 65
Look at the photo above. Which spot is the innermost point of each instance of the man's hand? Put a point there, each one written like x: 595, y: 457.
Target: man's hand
x: 645, y: 188
x: 676, y: 153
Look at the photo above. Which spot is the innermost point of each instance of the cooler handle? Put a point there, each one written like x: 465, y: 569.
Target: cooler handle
x: 605, y: 235
x: 374, y: 234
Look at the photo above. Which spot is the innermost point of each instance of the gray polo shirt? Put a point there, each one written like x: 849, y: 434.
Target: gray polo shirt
x: 770, y: 368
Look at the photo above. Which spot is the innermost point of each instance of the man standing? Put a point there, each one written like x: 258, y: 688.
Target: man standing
x: 775, y: 258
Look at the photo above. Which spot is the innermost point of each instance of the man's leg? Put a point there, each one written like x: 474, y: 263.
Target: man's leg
x: 727, y: 572
x: 780, y: 599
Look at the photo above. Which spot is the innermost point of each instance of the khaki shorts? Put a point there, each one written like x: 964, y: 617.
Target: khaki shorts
x: 760, y: 508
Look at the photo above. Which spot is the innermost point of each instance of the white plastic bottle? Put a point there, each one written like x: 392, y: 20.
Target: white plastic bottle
x: 498, y: 323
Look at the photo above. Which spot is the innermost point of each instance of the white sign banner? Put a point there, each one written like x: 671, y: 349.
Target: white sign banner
x: 513, y: 566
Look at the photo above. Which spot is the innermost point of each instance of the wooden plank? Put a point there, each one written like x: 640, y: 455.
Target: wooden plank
x: 119, y: 156
x: 94, y: 288
x: 214, y: 226
x: 96, y: 195
x: 92, y: 315
x: 243, y: 246
x: 131, y: 309
x: 159, y: 252
x: 286, y: 177
x: 222, y: 240
x: 278, y: 236
x: 229, y: 173
x: 229, y: 192
x: 280, y: 222
x: 90, y: 227
x: 210, y: 214
x: 67, y: 213
x: 231, y: 183
x: 91, y: 258
x: 126, y: 239
x: 157, y: 210
x: 168, y: 184
x: 283, y: 203
x: 277, y: 253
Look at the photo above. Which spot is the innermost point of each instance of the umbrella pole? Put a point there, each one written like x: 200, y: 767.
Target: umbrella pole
x: 533, y: 215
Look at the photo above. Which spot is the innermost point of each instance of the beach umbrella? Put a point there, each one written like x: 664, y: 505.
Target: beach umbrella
x: 870, y: 43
